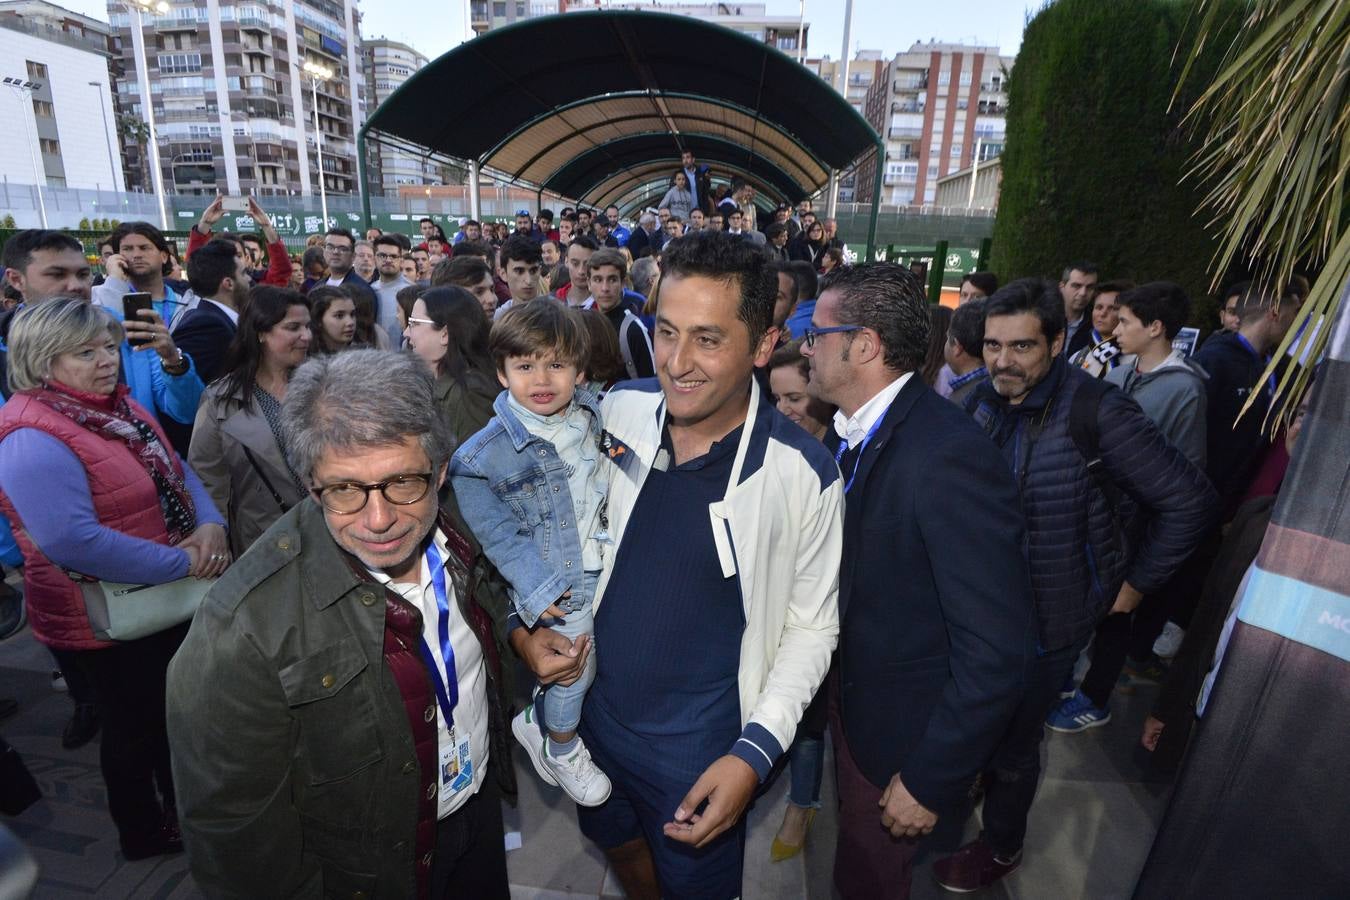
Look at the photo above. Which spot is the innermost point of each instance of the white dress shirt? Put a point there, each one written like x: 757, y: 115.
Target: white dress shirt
x: 234, y: 315
x: 471, y: 713
x: 853, y: 429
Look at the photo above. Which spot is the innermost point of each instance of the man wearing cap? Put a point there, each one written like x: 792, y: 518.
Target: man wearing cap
x: 525, y: 226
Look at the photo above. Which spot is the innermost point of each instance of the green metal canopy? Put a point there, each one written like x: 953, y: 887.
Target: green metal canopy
x: 597, y: 105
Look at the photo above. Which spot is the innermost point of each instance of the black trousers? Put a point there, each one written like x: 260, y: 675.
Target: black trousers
x: 470, y: 858
x: 77, y: 685
x: 128, y: 683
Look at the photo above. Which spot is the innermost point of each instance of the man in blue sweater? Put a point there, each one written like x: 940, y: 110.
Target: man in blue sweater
x: 716, y: 614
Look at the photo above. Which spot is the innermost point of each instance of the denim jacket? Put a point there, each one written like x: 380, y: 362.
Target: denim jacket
x: 512, y: 490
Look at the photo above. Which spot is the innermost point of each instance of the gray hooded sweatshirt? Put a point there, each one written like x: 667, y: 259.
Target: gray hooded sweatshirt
x: 1172, y: 396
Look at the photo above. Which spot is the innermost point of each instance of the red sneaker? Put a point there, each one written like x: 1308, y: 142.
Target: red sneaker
x: 973, y: 867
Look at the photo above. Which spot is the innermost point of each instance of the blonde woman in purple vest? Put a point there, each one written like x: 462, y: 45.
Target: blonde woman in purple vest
x: 94, y: 489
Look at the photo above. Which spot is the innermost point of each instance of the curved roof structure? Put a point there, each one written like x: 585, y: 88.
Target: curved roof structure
x: 597, y: 106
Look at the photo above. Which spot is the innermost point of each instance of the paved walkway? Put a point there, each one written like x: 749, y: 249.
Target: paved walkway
x: 1090, y: 829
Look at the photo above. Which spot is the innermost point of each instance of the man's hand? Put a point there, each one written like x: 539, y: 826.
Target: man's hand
x: 208, y: 551
x: 727, y: 785
x: 211, y: 215
x: 262, y: 220
x: 1127, y: 600
x: 901, y: 814
x: 552, y: 657
x: 1153, y: 729
x: 115, y: 267
x: 150, y: 333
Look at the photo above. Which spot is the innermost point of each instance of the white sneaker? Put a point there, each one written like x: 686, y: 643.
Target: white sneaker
x: 578, y: 775
x: 1169, y: 642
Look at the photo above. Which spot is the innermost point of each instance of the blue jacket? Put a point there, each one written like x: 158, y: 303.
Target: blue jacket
x: 512, y: 491
x: 1077, y: 553
x: 935, y: 606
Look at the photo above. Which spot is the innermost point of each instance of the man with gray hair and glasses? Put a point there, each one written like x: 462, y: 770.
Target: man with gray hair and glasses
x: 336, y: 714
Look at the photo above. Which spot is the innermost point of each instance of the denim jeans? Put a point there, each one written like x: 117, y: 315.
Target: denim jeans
x: 562, y: 703
x: 806, y: 765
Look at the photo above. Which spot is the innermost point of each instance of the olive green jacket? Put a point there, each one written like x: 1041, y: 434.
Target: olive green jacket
x: 293, y: 759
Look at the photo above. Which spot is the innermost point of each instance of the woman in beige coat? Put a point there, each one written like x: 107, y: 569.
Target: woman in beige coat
x: 236, y: 439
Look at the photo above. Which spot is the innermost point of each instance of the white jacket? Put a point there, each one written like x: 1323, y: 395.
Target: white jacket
x: 778, y: 529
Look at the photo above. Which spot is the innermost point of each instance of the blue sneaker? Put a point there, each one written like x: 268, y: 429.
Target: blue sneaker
x: 1076, y: 714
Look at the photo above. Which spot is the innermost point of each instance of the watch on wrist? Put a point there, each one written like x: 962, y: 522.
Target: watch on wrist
x: 176, y: 366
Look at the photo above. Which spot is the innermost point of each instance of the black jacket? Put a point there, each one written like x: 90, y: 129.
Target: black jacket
x: 6, y: 319
x: 639, y: 240
x: 1078, y: 554
x: 1233, y: 452
x: 935, y: 607
x: 204, y: 333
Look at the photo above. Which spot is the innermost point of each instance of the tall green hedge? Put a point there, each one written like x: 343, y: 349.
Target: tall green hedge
x: 1094, y: 157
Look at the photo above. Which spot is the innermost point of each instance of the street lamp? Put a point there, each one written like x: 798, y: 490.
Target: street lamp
x: 143, y: 76
x: 318, y: 72
x: 23, y: 90
x: 112, y: 166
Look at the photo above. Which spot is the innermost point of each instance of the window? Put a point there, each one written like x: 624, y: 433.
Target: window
x: 965, y: 79
x: 36, y: 71
x: 42, y: 108
x: 49, y: 146
x: 520, y: 9
x: 173, y: 63
x: 787, y: 42
x: 944, y: 79
x: 956, y: 151
x: 499, y: 9
x: 932, y: 172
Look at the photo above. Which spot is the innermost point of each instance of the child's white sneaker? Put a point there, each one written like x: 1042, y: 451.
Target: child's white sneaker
x: 578, y: 775
x: 575, y: 773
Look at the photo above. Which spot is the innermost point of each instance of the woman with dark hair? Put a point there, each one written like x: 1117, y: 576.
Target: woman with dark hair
x: 449, y: 331
x: 604, y: 364
x: 939, y: 322
x: 405, y: 298
x: 236, y: 441
x: 315, y: 269
x: 809, y: 245
x: 333, y: 313
x: 368, y: 334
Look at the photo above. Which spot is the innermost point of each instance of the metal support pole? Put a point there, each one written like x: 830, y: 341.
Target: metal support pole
x: 24, y: 97
x: 475, y: 197
x: 318, y: 147
x: 363, y: 174
x: 876, y: 198
x: 107, y: 135
x: 143, y: 76
x: 936, y: 271
x: 833, y: 188
x: 974, y: 173
x: 982, y: 260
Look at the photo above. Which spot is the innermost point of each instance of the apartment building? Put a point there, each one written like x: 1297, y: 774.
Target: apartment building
x: 64, y: 104
x: 232, y: 102
x: 387, y: 64
x: 937, y: 106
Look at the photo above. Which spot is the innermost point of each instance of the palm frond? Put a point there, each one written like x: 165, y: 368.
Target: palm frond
x: 1276, y: 158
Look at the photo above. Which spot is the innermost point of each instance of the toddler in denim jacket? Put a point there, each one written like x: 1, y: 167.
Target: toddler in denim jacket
x: 532, y: 486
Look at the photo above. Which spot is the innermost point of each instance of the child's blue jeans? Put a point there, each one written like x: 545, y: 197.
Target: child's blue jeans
x: 562, y: 703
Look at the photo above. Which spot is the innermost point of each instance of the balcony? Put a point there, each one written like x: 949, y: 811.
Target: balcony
x: 904, y: 134
x: 892, y: 180
x: 902, y: 154
x: 187, y: 115
x: 255, y: 23
x: 906, y: 107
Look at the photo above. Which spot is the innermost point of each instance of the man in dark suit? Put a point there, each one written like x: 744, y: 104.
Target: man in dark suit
x: 219, y: 277
x: 936, y: 618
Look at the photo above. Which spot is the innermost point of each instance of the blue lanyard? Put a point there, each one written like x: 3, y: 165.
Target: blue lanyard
x: 446, y: 695
x: 862, y: 448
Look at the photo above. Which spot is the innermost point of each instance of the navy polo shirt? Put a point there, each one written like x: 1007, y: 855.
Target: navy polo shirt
x: 668, y: 633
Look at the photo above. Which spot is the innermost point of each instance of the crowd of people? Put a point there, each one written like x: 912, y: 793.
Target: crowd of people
x: 718, y: 492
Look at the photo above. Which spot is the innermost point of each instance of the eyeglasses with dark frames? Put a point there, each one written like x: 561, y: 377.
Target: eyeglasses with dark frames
x: 351, y: 496
x: 810, y: 334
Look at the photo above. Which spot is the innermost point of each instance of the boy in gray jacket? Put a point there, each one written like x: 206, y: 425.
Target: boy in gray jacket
x: 1168, y: 386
